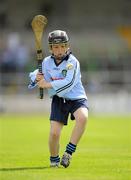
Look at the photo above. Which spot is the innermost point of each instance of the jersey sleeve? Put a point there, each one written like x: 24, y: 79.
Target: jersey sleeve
x: 47, y: 77
x: 65, y: 85
x: 45, y: 72
x: 32, y: 76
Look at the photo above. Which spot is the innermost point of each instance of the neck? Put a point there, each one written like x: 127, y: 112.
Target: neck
x: 58, y: 61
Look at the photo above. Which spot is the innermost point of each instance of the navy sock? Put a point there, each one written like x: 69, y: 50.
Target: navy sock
x: 55, y: 159
x: 70, y: 148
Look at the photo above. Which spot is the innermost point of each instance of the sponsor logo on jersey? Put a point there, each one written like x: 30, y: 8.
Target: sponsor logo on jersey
x: 55, y: 68
x: 56, y: 78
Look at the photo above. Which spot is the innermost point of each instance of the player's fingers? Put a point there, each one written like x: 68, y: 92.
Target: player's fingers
x: 40, y: 73
x: 39, y: 77
x: 40, y: 83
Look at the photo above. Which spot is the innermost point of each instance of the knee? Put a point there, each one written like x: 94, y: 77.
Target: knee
x: 81, y: 116
x: 55, y: 134
x: 83, y: 119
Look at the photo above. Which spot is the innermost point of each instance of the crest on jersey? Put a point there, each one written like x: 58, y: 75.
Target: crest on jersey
x: 64, y: 72
x: 69, y: 66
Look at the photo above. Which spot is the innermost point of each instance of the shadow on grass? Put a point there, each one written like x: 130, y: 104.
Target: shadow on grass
x: 24, y: 168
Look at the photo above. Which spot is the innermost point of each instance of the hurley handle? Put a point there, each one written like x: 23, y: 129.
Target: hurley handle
x: 40, y: 59
x: 38, y: 25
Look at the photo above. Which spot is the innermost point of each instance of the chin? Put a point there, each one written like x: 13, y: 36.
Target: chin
x: 59, y: 57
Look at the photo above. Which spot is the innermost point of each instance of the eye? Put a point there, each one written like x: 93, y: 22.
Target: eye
x: 55, y: 47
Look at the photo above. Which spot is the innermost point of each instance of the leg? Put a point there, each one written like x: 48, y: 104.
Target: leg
x: 55, y: 130
x: 59, y: 111
x: 81, y: 116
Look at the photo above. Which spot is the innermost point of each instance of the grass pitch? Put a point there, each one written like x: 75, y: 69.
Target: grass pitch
x: 104, y: 152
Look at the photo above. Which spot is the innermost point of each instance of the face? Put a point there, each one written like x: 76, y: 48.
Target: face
x: 59, y: 50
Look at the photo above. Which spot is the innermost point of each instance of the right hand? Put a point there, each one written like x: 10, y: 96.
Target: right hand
x: 39, y: 77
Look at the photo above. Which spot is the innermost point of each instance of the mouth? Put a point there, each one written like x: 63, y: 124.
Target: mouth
x: 59, y: 56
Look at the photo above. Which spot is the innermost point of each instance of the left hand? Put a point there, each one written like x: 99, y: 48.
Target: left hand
x: 43, y: 84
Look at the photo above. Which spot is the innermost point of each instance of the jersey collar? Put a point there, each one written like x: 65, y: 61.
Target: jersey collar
x: 65, y: 58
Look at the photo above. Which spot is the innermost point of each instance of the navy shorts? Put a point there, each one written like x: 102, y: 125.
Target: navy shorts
x: 61, y: 108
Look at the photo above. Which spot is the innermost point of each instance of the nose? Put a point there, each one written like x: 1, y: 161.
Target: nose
x: 59, y: 49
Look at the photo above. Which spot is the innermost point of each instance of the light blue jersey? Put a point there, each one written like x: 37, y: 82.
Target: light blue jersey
x: 64, y: 77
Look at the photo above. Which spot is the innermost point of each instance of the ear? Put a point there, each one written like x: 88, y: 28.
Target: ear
x: 67, y: 45
x: 50, y: 49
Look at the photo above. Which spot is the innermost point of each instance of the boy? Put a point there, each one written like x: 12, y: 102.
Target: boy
x: 62, y: 77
